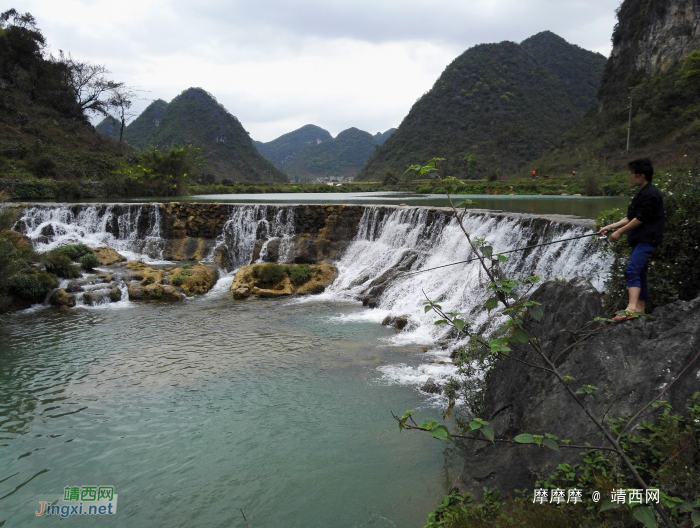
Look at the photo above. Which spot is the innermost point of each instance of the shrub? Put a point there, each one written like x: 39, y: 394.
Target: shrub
x: 269, y: 274
x: 177, y: 281
x: 148, y: 280
x: 32, y: 286
x: 300, y: 274
x: 74, y: 251
x: 89, y: 261
x: 60, y: 264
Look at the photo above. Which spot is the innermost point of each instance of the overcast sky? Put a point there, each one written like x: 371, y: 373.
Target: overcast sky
x: 278, y: 65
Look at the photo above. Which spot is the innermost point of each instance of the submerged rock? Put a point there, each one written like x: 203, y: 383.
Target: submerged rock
x: 431, y: 387
x: 399, y: 322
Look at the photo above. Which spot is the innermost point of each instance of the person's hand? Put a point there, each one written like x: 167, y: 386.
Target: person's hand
x: 615, y: 236
x: 603, y: 230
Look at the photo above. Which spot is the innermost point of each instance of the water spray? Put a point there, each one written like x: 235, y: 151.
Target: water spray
x: 601, y: 237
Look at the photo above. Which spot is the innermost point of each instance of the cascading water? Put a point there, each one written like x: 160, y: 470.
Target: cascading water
x: 250, y: 223
x: 386, y: 239
x: 132, y: 229
x: 415, y: 239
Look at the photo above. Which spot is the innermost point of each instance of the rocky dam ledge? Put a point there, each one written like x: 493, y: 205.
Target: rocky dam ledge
x: 630, y: 363
x: 193, y: 231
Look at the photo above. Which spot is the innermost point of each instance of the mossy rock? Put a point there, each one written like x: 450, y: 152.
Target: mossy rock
x: 294, y: 279
x: 194, y: 279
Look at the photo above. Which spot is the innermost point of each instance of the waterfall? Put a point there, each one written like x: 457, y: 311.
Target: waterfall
x: 250, y: 223
x: 385, y: 241
x: 132, y: 229
x: 412, y: 239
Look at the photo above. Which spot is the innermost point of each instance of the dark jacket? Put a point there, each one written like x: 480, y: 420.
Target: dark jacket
x: 648, y: 207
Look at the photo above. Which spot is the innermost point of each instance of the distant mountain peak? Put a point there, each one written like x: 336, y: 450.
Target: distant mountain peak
x: 497, y: 105
x: 196, y: 117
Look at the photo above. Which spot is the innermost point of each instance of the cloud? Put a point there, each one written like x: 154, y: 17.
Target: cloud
x: 278, y: 65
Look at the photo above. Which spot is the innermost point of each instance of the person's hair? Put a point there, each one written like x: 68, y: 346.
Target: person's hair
x: 642, y: 166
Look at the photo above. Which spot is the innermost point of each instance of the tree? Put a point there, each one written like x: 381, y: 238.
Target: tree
x: 691, y: 71
x: 390, y: 178
x: 120, y: 101
x: 89, y: 83
x: 12, y: 18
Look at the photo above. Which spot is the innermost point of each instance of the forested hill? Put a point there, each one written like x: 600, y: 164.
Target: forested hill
x: 285, y: 147
x: 381, y: 137
x: 195, y: 117
x: 494, y: 108
x: 343, y: 156
x: 45, y: 134
x: 656, y: 52
x: 311, y: 152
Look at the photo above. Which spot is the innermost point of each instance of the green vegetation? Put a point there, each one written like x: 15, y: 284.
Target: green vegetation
x: 654, y: 451
x: 311, y: 152
x: 247, y: 188
x: 673, y: 268
x: 381, y: 137
x: 494, y: 108
x: 178, y: 281
x: 89, y: 261
x: 343, y: 156
x: 74, y: 252
x: 46, y: 141
x: 665, y: 100
x: 60, y: 265
x: 664, y: 452
x: 271, y: 274
x: 22, y: 280
x: 195, y: 118
x: 283, y: 149
x: 59, y: 261
x: 162, y: 172
x: 299, y: 274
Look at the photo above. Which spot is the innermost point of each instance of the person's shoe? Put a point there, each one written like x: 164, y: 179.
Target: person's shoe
x: 625, y: 315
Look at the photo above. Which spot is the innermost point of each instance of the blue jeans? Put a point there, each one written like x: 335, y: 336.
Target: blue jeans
x: 636, y: 272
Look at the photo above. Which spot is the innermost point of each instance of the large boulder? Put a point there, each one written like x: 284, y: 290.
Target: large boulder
x: 628, y: 363
x: 246, y: 283
x: 147, y: 284
x: 62, y: 298
x: 193, y: 279
x: 108, y: 256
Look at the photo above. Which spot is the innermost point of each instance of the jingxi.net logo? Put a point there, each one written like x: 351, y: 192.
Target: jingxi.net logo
x: 81, y: 500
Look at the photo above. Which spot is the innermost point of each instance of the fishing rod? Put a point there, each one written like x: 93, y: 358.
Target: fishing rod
x: 509, y: 251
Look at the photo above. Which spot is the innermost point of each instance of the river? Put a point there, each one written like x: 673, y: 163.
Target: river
x: 281, y: 408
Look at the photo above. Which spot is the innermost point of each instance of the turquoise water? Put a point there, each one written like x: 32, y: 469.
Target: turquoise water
x: 194, y: 410
x: 583, y: 206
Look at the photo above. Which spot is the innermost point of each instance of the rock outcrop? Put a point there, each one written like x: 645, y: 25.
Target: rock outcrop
x: 245, y: 283
x: 629, y: 363
x: 108, y: 255
x: 147, y: 284
x: 62, y: 298
x: 170, y: 284
x: 193, y: 279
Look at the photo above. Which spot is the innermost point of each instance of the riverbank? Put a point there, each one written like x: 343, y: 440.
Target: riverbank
x: 49, y: 189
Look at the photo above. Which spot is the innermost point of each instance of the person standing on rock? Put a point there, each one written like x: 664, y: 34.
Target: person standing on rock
x: 644, y: 225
